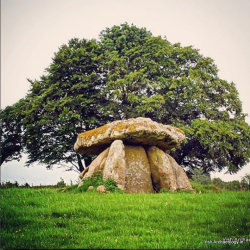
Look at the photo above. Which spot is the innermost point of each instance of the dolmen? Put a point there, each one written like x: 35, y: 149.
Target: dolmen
x: 133, y: 153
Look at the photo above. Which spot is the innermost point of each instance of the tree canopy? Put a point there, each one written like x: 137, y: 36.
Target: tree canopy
x: 128, y: 73
x: 11, y: 133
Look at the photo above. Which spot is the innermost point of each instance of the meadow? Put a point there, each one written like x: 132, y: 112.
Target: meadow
x: 49, y: 218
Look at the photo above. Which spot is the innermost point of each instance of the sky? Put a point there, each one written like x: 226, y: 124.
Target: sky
x: 33, y: 30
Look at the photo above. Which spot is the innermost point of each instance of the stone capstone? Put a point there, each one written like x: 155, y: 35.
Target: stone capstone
x: 136, y: 131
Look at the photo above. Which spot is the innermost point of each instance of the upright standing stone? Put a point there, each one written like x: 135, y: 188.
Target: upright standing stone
x: 115, y: 164
x: 96, y: 166
x: 162, y: 173
x: 181, y: 177
x: 138, y: 174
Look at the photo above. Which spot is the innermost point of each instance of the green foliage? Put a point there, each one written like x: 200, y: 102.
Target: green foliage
x: 200, y: 177
x: 243, y: 185
x: 11, y: 132
x: 26, y: 185
x: 130, y: 73
x: 110, y: 185
x: 216, y: 145
x: 95, y: 181
x: 233, y: 185
x: 61, y: 183
x: 48, y: 219
x: 9, y: 184
x: 218, y: 182
x: 63, y: 103
x: 245, y: 182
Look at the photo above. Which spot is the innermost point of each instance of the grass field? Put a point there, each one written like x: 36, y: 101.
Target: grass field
x: 48, y: 218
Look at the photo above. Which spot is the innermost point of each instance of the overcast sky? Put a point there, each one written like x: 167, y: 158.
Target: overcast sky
x: 33, y: 30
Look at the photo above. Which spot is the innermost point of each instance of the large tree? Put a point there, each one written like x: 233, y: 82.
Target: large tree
x: 148, y: 76
x: 130, y: 73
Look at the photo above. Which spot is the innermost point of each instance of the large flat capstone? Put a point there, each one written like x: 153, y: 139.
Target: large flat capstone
x: 135, y: 131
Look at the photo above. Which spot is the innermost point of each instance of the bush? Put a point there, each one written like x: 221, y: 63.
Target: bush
x: 245, y: 182
x: 218, y: 183
x: 93, y: 181
x: 96, y: 181
x: 61, y: 183
x: 198, y: 176
x: 9, y: 184
x: 26, y: 185
x: 110, y: 185
x: 233, y: 185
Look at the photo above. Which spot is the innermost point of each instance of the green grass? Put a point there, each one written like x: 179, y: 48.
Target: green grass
x: 48, y: 218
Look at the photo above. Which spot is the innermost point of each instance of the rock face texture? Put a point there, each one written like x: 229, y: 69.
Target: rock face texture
x: 131, y: 152
x: 90, y: 188
x: 166, y: 172
x: 163, y: 175
x: 138, y: 174
x: 115, y: 164
x: 96, y: 166
x: 135, y: 131
x: 182, y: 180
x: 101, y: 189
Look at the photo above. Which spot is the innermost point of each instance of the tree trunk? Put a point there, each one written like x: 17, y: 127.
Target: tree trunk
x: 80, y: 166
